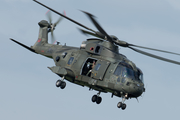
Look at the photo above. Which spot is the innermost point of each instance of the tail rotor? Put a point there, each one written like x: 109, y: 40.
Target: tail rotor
x: 52, y: 26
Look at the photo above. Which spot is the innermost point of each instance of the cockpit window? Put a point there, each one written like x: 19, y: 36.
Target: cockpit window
x: 139, y: 75
x: 118, y: 71
x: 126, y: 65
x: 126, y: 71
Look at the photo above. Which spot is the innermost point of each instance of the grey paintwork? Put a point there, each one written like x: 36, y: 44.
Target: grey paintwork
x: 97, y: 63
x: 72, y: 60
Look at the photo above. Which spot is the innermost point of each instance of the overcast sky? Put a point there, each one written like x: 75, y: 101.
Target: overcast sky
x: 27, y: 86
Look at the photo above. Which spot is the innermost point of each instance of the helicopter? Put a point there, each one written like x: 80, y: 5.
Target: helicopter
x: 96, y: 64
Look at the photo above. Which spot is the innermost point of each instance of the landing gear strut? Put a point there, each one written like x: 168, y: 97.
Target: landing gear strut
x: 61, y: 83
x: 122, y: 105
x: 96, y: 98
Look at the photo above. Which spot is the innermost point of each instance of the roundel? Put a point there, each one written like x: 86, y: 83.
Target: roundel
x: 92, y: 48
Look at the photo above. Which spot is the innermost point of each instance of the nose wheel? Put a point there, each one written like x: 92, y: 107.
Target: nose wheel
x: 122, y: 105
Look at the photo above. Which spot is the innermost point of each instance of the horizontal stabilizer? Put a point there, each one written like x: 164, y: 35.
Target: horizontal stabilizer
x: 32, y: 50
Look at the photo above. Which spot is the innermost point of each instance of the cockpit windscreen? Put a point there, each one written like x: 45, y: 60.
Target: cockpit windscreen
x: 126, y: 71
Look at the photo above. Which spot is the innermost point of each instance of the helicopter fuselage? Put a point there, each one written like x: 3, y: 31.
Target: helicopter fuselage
x: 112, y: 72
x: 97, y: 63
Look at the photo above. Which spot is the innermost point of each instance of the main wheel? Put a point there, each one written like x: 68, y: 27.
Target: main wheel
x: 123, y: 106
x: 119, y: 105
x: 98, y: 100
x: 94, y: 98
x: 58, y: 83
x: 63, y: 85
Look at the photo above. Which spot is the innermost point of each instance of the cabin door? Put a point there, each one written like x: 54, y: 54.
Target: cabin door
x: 100, y: 69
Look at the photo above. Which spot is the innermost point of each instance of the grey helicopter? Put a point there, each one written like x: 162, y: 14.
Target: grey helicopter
x: 96, y: 64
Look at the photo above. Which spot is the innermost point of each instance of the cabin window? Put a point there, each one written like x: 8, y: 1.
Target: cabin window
x: 57, y: 59
x: 97, y: 49
x: 88, y: 66
x: 97, y: 66
x: 70, y: 60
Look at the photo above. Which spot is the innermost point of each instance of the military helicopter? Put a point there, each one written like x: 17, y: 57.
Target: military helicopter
x: 96, y: 64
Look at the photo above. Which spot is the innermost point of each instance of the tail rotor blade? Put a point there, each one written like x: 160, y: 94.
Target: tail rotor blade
x: 58, y: 21
x: 52, y: 38
x: 48, y: 13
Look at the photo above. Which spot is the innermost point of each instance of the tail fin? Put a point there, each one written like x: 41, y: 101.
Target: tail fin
x: 42, y: 38
x: 43, y: 33
x: 41, y: 46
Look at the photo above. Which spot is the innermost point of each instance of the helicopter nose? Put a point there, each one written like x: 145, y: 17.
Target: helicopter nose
x: 136, y: 89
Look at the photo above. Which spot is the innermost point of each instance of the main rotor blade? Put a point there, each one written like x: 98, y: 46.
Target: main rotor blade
x: 154, y: 49
x: 155, y: 56
x: 97, y: 34
x: 97, y: 25
x: 32, y: 50
x: 64, y: 16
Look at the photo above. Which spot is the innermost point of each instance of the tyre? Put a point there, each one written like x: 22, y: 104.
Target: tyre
x: 58, y: 83
x: 63, y: 85
x: 94, y: 98
x: 119, y: 105
x: 123, y: 106
x: 98, y: 100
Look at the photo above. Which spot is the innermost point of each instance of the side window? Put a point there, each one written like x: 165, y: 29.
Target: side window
x: 70, y: 60
x: 88, y: 66
x: 97, y: 50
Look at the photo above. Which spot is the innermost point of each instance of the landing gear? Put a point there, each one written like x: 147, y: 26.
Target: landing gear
x: 96, y: 98
x: 122, y: 105
x: 61, y: 83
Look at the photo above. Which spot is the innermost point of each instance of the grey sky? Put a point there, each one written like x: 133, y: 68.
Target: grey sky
x: 27, y: 86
